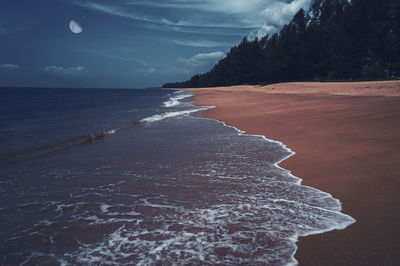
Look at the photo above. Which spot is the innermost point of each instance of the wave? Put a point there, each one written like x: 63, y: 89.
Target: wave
x: 337, y: 220
x: 159, y: 117
x: 92, y: 138
x: 55, y: 146
x: 255, y: 219
x: 175, y: 100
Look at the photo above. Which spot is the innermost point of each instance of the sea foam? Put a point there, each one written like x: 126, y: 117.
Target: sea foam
x: 175, y: 98
x: 159, y: 117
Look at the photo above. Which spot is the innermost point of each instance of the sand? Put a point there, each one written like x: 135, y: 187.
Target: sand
x: 347, y: 142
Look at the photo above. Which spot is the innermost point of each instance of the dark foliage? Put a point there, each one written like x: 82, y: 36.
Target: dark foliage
x: 336, y: 40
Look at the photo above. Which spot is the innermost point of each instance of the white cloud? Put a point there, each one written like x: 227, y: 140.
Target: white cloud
x: 283, y: 12
x: 198, y: 63
x: 203, y: 59
x: 208, y: 31
x: 201, y: 43
x: 65, y: 71
x: 112, y: 10
x: 179, y: 21
x: 224, y: 6
x: 9, y: 66
x: 122, y: 12
x: 276, y: 16
x: 253, y: 17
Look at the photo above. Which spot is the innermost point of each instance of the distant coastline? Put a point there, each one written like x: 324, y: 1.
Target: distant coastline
x: 345, y: 136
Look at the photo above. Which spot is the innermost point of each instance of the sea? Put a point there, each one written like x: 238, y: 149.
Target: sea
x: 136, y: 177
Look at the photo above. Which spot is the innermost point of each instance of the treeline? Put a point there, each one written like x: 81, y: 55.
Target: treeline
x: 336, y: 40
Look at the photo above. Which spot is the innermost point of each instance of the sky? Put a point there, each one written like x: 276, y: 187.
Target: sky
x: 126, y: 43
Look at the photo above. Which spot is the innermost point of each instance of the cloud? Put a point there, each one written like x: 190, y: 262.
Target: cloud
x: 275, y: 16
x: 65, y: 71
x: 198, y: 63
x: 251, y: 17
x: 282, y: 13
x: 224, y: 6
x: 190, y: 30
x: 203, y: 59
x: 9, y: 66
x: 201, y: 43
x: 112, y: 10
x: 122, y: 12
x: 126, y: 11
x: 145, y: 71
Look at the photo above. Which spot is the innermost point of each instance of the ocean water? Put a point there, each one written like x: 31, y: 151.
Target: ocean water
x: 122, y: 177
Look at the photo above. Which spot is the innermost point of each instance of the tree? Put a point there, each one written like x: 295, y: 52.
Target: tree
x: 334, y: 40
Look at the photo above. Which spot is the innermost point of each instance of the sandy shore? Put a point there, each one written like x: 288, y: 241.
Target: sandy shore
x: 347, y: 142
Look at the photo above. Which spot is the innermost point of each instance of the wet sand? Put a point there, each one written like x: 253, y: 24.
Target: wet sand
x: 347, y: 142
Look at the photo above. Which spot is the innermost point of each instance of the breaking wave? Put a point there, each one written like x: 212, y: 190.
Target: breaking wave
x: 62, y: 144
x: 175, y: 98
x: 159, y: 117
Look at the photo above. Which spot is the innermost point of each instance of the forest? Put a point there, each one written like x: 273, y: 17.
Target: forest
x: 334, y: 40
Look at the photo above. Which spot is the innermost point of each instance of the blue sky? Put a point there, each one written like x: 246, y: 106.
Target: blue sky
x: 126, y: 43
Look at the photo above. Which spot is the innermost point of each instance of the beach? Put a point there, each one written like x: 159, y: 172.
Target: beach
x: 149, y: 182
x: 346, y: 140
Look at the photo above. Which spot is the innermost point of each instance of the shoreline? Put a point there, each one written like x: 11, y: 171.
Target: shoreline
x: 342, y: 158
x: 294, y: 238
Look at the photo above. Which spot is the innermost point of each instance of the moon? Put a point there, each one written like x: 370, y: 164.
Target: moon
x: 75, y: 27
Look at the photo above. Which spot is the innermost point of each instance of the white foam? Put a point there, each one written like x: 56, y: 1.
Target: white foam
x: 147, y: 203
x: 257, y: 216
x: 160, y: 117
x: 175, y: 100
x: 110, y: 132
x: 40, y: 255
x: 343, y: 220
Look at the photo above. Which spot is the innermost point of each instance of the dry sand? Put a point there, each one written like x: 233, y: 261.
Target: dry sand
x: 347, y: 142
